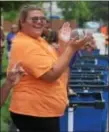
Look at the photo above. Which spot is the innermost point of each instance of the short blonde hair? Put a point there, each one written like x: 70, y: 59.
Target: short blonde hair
x: 24, y: 13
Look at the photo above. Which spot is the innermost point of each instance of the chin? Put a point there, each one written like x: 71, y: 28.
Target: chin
x: 38, y: 33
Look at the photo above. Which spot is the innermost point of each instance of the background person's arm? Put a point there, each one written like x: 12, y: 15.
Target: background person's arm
x: 4, y: 91
x: 12, y: 79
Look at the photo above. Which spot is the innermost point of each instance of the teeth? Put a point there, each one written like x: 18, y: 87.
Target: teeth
x: 36, y: 27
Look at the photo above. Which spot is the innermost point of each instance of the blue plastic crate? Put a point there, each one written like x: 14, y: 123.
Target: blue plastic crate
x: 87, y: 116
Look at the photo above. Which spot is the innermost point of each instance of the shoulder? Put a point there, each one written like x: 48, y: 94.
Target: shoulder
x: 21, y: 38
x: 24, y: 42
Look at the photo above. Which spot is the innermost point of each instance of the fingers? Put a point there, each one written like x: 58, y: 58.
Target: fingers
x: 85, y: 41
x: 66, y: 27
x: 91, y: 44
x: 78, y: 44
x: 22, y: 72
x: 65, y: 32
x: 66, y: 24
x: 18, y: 69
x: 74, y: 38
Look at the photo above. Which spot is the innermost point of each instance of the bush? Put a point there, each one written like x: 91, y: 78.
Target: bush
x: 10, y: 16
x: 5, y: 116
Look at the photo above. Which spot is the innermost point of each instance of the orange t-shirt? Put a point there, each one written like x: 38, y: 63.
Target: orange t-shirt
x: 33, y: 96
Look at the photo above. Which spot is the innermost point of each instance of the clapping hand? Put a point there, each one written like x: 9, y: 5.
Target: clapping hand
x: 90, y: 46
x: 65, y: 33
x: 64, y: 36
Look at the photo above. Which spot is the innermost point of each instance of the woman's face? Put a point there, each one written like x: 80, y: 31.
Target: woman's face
x: 34, y: 23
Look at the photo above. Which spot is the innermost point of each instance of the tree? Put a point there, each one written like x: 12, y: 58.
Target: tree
x: 75, y: 10
x: 15, y: 5
x: 99, y: 9
x: 85, y: 10
x: 11, y: 8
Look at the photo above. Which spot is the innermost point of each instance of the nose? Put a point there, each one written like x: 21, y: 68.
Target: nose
x: 39, y: 21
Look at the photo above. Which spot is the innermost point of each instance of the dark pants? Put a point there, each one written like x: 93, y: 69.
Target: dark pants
x: 35, y: 124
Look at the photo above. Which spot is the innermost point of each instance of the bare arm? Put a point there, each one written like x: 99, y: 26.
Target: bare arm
x: 64, y: 51
x: 12, y: 79
x: 60, y: 66
x: 4, y: 91
x: 64, y: 59
x: 43, y: 66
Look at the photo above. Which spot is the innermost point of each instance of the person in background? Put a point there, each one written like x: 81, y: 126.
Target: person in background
x: 10, y: 36
x: 40, y: 97
x: 104, y: 30
x: 12, y: 79
x: 48, y: 32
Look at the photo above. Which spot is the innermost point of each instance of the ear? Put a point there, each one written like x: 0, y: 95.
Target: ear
x: 22, y: 22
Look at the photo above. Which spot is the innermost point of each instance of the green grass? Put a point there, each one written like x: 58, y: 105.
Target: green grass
x: 4, y: 110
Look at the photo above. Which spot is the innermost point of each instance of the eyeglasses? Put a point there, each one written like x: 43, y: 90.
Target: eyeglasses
x: 35, y: 19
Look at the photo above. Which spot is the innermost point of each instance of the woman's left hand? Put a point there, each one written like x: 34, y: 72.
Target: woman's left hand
x: 90, y: 46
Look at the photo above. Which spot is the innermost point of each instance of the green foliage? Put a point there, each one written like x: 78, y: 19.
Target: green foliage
x: 4, y: 58
x: 75, y: 10
x: 84, y: 10
x: 15, y: 5
x: 10, y: 16
x: 4, y: 117
x: 99, y: 9
x: 11, y: 8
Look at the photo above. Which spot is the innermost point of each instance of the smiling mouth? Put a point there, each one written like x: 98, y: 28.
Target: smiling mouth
x: 38, y: 27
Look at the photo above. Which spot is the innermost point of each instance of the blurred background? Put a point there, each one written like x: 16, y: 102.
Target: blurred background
x: 91, y: 15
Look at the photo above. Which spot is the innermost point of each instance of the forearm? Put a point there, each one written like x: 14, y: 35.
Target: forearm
x: 63, y: 61
x: 4, y: 92
x: 60, y: 66
x: 61, y: 47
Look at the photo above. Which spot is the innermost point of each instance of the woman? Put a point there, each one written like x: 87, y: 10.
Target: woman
x: 40, y: 98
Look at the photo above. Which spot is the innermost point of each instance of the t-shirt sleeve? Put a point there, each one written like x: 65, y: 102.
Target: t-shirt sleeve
x: 36, y: 61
